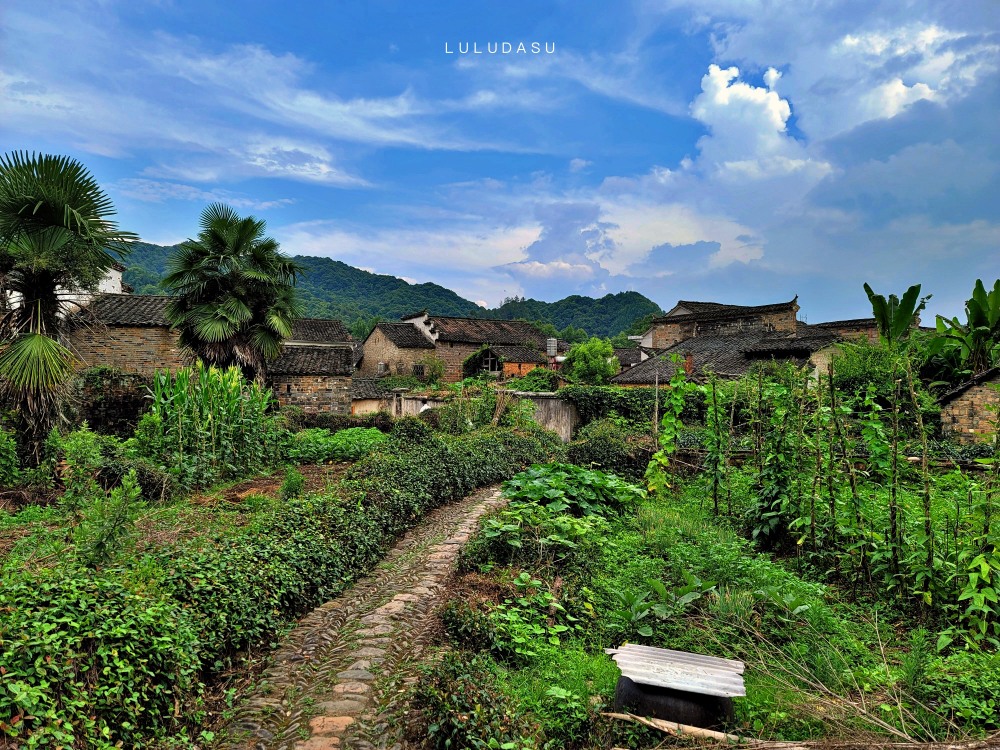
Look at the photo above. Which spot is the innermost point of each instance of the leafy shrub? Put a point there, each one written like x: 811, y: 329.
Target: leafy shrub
x: 86, y: 661
x: 107, y: 523
x: 460, y: 704
x: 572, y: 489
x: 633, y: 404
x: 539, y: 380
x: 80, y: 451
x: 334, y: 422
x: 613, y: 445
x: 293, y: 485
x: 317, y: 445
x: 966, y: 685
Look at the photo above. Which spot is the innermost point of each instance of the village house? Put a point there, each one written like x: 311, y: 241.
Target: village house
x: 408, y: 347
x: 969, y: 411
x: 727, y: 340
x: 130, y: 332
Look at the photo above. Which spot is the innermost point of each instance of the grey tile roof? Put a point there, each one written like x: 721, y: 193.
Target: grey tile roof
x: 507, y: 353
x: 404, y: 335
x: 314, y: 360
x: 319, y: 331
x: 368, y: 388
x: 706, y: 311
x: 132, y: 310
x: 983, y: 377
x: 628, y: 356
x: 728, y: 355
x: 482, y: 331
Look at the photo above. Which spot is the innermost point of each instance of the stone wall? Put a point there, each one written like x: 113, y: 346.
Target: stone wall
x: 667, y: 334
x: 378, y: 348
x: 111, y: 401
x: 314, y: 393
x: 145, y: 350
x: 967, y: 417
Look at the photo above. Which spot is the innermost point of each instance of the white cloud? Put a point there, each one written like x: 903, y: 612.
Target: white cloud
x: 578, y: 165
x: 158, y: 191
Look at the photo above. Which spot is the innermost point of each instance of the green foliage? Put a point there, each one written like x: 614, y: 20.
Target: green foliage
x: 293, y: 485
x: 967, y: 685
x: 613, y: 445
x: 592, y: 362
x: 973, y: 346
x: 235, y: 292
x: 461, y: 706
x: 635, y: 405
x: 600, y: 317
x: 107, y: 524
x: 87, y: 662
x: 539, y: 380
x: 318, y: 445
x: 10, y: 464
x: 572, y: 489
x: 895, y: 317
x: 207, y: 424
x: 672, y: 409
x: 81, y: 451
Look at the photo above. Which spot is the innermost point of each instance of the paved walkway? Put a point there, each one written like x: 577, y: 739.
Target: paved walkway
x: 336, y: 680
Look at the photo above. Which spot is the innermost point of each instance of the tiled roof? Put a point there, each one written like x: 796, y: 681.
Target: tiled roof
x: 481, y: 331
x: 852, y: 322
x: 705, y: 311
x: 319, y: 331
x: 368, y: 388
x: 727, y: 355
x: 137, y: 310
x: 628, y: 356
x: 314, y: 360
x: 405, y: 335
x: 507, y: 353
x: 983, y: 377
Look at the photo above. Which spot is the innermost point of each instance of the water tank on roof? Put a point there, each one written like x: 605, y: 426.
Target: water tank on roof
x: 551, y: 347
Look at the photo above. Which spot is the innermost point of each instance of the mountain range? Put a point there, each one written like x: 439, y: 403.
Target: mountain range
x: 332, y: 289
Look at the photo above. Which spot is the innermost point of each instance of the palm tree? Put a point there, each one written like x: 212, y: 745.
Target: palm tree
x: 236, y: 297
x: 56, y: 237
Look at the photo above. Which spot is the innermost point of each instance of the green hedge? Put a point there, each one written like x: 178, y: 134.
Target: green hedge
x: 634, y: 404
x: 83, y: 651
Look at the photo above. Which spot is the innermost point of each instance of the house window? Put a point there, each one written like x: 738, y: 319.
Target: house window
x: 288, y: 388
x: 400, y: 367
x: 383, y: 369
x: 418, y: 371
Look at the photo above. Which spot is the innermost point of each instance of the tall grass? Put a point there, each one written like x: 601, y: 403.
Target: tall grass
x: 207, y: 424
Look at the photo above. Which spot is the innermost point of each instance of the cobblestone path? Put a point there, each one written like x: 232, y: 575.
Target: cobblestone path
x: 337, y: 679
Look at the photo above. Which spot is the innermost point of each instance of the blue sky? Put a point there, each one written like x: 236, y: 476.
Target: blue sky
x: 730, y: 150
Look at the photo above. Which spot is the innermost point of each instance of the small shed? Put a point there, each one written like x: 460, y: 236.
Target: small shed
x: 507, y: 361
x: 369, y: 397
x: 316, y: 378
x: 968, y: 411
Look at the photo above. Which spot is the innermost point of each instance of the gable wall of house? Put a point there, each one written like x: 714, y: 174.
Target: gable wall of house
x: 313, y: 393
x: 454, y: 354
x: 378, y: 348
x: 518, y: 369
x: 968, y: 418
x: 142, y: 349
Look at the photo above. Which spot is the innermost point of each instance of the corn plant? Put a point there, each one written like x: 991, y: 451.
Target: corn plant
x: 207, y: 424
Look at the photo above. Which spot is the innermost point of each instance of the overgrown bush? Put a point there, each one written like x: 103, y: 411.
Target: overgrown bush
x: 460, y: 705
x: 539, y: 380
x: 636, y: 405
x: 10, y: 464
x: 612, y: 444
x: 87, y: 662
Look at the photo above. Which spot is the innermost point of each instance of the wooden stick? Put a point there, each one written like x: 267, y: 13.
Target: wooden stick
x: 682, y: 729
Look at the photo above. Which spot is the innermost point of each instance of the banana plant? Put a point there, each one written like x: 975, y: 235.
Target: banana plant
x: 894, y: 316
x: 976, y: 342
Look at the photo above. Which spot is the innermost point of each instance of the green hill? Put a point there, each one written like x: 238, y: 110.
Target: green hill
x: 332, y: 289
x: 603, y: 317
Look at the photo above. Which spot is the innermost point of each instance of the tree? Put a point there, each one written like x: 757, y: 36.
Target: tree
x: 593, y: 362
x: 235, y: 293
x: 895, y: 317
x: 57, y: 238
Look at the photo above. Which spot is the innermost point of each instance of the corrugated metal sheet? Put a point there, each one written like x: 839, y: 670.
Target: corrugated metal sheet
x: 679, y: 670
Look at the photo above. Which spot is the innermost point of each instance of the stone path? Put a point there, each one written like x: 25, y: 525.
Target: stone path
x: 336, y: 680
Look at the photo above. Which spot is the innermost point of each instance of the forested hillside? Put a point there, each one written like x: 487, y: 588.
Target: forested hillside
x: 332, y: 289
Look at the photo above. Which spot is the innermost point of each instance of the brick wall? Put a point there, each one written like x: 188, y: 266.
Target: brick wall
x: 967, y: 418
x: 453, y: 355
x: 314, y: 393
x: 667, y: 333
x: 378, y: 348
x: 145, y: 350
x: 517, y: 369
